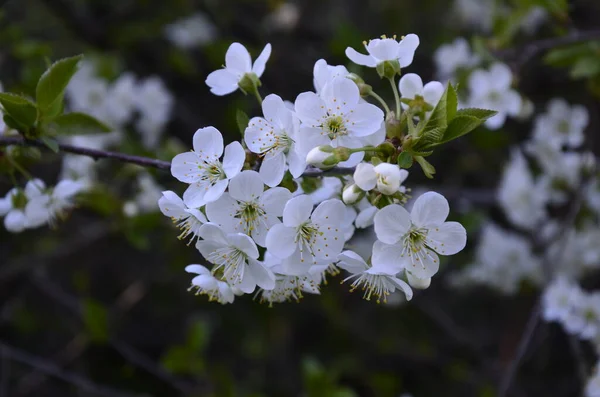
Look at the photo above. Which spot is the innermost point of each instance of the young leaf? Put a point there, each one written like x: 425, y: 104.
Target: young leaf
x: 12, y: 123
x: 242, y: 120
x: 427, y: 167
x: 460, y: 126
x: 78, y: 124
x: 451, y: 103
x: 52, y: 84
x: 482, y: 114
x: 405, y: 160
x: 50, y: 143
x: 20, y: 109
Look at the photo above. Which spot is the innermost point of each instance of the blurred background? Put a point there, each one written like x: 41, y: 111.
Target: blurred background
x: 98, y: 305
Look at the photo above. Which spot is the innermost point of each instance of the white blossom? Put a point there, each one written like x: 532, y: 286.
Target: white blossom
x: 248, y: 208
x: 561, y: 125
x: 386, y: 49
x: 449, y: 58
x: 193, y: 31
x: 324, y: 74
x: 410, y: 240
x: 53, y: 204
x: 559, y: 299
x: 274, y: 136
x: 187, y: 219
x: 236, y: 256
x: 491, y: 89
x: 201, y: 168
x: 207, y: 284
x: 386, y: 177
x: 411, y: 87
x: 306, y: 236
x: 237, y: 64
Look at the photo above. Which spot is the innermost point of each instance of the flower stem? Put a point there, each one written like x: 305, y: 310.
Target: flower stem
x: 258, y: 97
x: 380, y: 99
x: 396, y: 96
x: 366, y: 149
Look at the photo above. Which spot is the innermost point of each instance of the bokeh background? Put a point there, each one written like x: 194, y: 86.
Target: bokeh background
x: 98, y: 306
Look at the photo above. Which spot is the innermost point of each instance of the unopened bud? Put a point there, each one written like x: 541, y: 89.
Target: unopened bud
x: 393, y: 127
x: 364, y: 89
x: 319, y: 155
x: 352, y: 194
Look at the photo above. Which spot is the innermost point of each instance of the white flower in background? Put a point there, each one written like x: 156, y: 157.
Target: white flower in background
x: 238, y: 63
x: 324, y: 73
x: 503, y: 260
x: 348, y: 223
x: 121, y: 99
x: 187, y: 219
x: 89, y: 96
x: 592, y: 195
x: 48, y: 206
x: 149, y: 193
x: 330, y: 187
x: 386, y: 177
x: 386, y: 49
x: 284, y: 18
x: 336, y: 118
x: 12, y: 208
x: 561, y: 176
x: 193, y: 31
x: 207, y: 284
x: 491, y: 89
x: 592, y: 388
x: 584, y: 318
x: 378, y: 281
x: 78, y: 168
x: 522, y: 200
x: 302, y: 238
x: 366, y: 214
x: 410, y: 241
x: 248, y: 208
x: 201, y: 168
x: 155, y: 103
x: 561, y: 125
x: 478, y: 14
x: 236, y: 256
x: 274, y: 137
x: 449, y: 58
x: 559, y: 298
x: 411, y: 87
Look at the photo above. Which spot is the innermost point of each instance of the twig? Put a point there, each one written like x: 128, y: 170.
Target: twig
x: 526, y: 339
x: 94, y: 153
x: 51, y: 369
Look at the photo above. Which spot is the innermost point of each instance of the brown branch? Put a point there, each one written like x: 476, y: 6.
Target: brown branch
x: 52, y: 369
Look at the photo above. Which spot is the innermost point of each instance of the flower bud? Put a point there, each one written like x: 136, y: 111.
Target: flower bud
x: 319, y: 155
x: 389, y: 178
x: 363, y: 88
x: 418, y: 283
x: 352, y: 194
x: 393, y: 127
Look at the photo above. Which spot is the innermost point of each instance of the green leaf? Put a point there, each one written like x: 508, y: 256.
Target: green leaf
x: 405, y: 160
x: 565, y: 56
x: 50, y: 143
x: 426, y: 166
x: 52, y: 84
x: 78, y: 124
x: 95, y: 318
x: 482, y: 114
x: 451, y: 102
x: 21, y: 109
x: 460, y: 126
x: 586, y: 67
x: 433, y: 130
x: 12, y: 123
x: 242, y: 120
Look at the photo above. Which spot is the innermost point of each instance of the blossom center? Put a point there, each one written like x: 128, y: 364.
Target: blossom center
x: 231, y: 261
x: 250, y: 214
x: 211, y: 172
x: 563, y: 127
x: 277, y: 144
x: 334, y: 126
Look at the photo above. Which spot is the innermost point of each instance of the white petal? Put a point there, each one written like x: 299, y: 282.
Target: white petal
x: 272, y: 170
x: 226, y: 292
x: 430, y: 208
x: 215, y: 191
x: 297, y: 264
x: 208, y: 143
x: 391, y: 223
x: 171, y: 205
x: 410, y: 85
x: 447, y: 238
x: 365, y: 217
x: 259, y: 64
x: 5, y: 205
x: 497, y: 121
x: 341, y: 95
x: 407, y: 48
x: 426, y: 266
x: 222, y: 82
x: 419, y: 283
x: 238, y: 59
x: 272, y: 105
x: 310, y: 108
x: 296, y: 163
x: 15, y: 221
x: 388, y: 257
x: 243, y: 243
x: 432, y: 92
x: 259, y: 233
x: 34, y: 187
x: 401, y: 285
x: 512, y: 102
x: 297, y: 211
x: 197, y: 269
x: 263, y: 277
x: 246, y: 186
x: 234, y: 159
x: 329, y: 212
x: 360, y: 59
x: 366, y: 119
x: 184, y: 167
x: 212, y: 232
x: 328, y: 242
x: 365, y: 176
x: 207, y: 247
x: 205, y: 282
x: 67, y: 188
x: 274, y: 200
x: 281, y: 241
x: 502, y: 76
x: 193, y: 196
x: 222, y: 212
x: 384, y: 49
x: 37, y: 212
x: 352, y: 262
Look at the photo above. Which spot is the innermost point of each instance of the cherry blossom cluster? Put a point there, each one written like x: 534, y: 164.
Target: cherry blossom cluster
x: 268, y: 222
